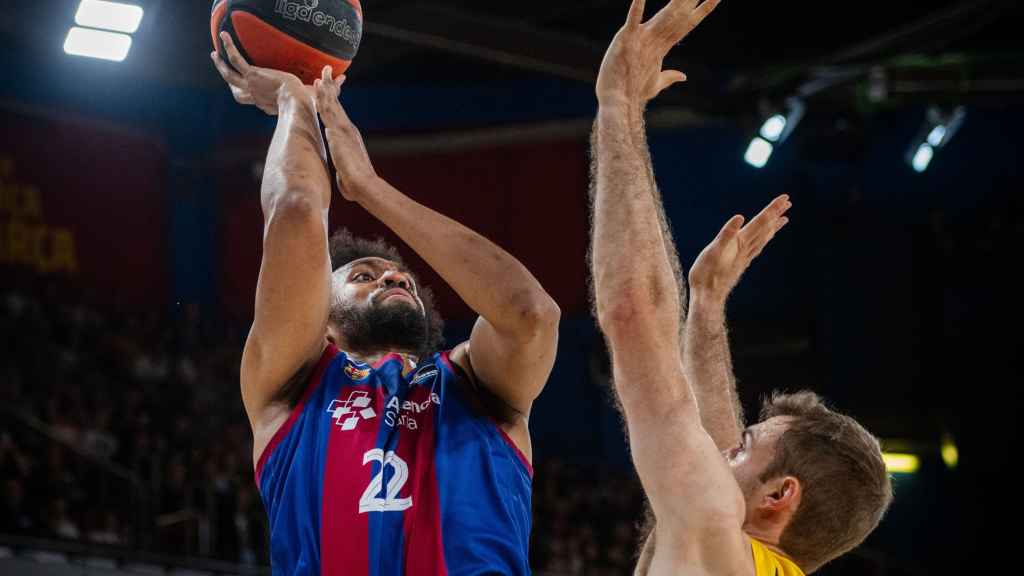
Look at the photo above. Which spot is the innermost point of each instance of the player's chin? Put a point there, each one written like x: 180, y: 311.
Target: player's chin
x: 399, y: 303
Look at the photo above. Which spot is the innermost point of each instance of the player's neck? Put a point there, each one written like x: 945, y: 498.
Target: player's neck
x: 770, y: 541
x: 766, y: 537
x: 373, y: 358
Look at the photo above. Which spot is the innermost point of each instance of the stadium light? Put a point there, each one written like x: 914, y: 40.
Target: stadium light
x: 112, y: 16
x: 950, y: 454
x: 773, y: 127
x: 901, y: 463
x: 758, y: 153
x: 923, y: 157
x: 936, y: 132
x: 97, y: 44
x: 773, y: 132
x: 936, y: 136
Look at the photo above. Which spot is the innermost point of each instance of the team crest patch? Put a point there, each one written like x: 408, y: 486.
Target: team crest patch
x: 355, y: 372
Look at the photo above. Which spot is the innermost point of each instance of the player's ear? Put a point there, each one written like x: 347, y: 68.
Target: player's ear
x: 782, y: 494
x: 333, y: 334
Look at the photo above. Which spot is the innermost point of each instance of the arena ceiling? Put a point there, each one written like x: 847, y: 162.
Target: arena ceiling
x: 745, y: 49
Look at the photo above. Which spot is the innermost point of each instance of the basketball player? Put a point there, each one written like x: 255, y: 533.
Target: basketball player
x: 377, y: 454
x: 779, y: 498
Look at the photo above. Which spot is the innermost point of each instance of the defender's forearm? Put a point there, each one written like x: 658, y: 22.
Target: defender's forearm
x: 488, y: 279
x: 707, y: 364
x: 629, y: 260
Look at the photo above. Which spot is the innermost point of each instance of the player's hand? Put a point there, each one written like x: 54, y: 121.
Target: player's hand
x: 720, y: 265
x: 260, y: 87
x: 346, y: 144
x: 631, y: 72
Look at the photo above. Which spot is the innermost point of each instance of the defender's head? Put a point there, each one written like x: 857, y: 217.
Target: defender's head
x: 376, y: 303
x: 811, y: 476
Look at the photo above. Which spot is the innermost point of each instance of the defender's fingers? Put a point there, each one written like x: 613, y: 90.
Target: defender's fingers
x: 765, y: 222
x: 731, y: 229
x: 636, y: 13
x: 766, y: 218
x: 755, y: 250
x: 668, y: 78
x: 679, y: 18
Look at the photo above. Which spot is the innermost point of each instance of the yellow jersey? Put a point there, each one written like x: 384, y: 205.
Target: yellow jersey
x: 768, y: 562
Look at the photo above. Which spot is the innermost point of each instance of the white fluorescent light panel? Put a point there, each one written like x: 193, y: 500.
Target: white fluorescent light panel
x: 758, y: 153
x: 773, y: 128
x: 113, y: 16
x: 922, y: 157
x: 98, y: 44
x: 103, y: 30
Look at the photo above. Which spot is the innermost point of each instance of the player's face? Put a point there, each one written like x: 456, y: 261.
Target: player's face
x: 755, y: 453
x: 375, y: 282
x: 377, y: 307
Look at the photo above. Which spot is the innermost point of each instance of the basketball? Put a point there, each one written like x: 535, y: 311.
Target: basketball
x: 297, y: 36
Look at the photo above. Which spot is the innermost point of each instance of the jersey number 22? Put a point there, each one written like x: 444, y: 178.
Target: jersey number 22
x: 372, y: 501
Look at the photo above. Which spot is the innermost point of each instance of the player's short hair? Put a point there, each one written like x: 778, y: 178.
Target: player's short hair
x: 845, y: 486
x: 346, y: 247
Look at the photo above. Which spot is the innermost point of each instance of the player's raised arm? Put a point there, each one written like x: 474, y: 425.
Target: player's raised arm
x: 512, y: 348
x: 706, y: 358
x: 292, y: 295
x: 697, y: 502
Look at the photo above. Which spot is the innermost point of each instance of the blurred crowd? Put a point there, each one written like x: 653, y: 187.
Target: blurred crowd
x: 128, y: 431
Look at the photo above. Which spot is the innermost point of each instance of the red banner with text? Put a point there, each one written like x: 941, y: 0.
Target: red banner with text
x: 82, y: 211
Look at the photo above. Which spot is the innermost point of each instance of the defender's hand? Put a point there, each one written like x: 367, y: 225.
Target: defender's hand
x: 346, y: 144
x: 631, y: 72
x: 720, y: 265
x: 260, y: 87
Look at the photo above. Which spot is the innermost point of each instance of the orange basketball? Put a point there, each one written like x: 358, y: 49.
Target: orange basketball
x: 297, y: 36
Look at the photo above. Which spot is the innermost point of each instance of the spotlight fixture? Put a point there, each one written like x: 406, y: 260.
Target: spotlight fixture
x: 935, y: 133
x: 774, y: 131
x: 104, y: 30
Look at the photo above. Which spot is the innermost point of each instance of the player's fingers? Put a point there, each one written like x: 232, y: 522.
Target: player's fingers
x: 327, y: 100
x: 244, y: 98
x: 636, y: 13
x: 678, y: 19
x: 326, y: 97
x: 754, y: 250
x: 230, y: 76
x: 703, y: 11
x: 731, y: 229
x: 667, y: 78
x: 765, y: 220
x: 234, y: 56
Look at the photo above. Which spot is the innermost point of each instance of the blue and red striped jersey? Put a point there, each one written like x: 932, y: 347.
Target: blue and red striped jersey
x: 381, y: 472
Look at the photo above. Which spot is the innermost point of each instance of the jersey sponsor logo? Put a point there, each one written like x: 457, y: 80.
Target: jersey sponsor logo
x: 356, y: 372
x: 350, y: 412
x: 403, y: 413
x: 306, y: 11
x: 425, y: 373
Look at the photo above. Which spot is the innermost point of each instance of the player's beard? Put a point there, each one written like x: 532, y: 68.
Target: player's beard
x: 381, y: 326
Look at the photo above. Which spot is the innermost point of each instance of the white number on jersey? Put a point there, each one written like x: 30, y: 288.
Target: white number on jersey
x: 371, y: 501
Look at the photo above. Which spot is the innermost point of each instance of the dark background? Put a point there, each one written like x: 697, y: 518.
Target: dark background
x: 892, y: 293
